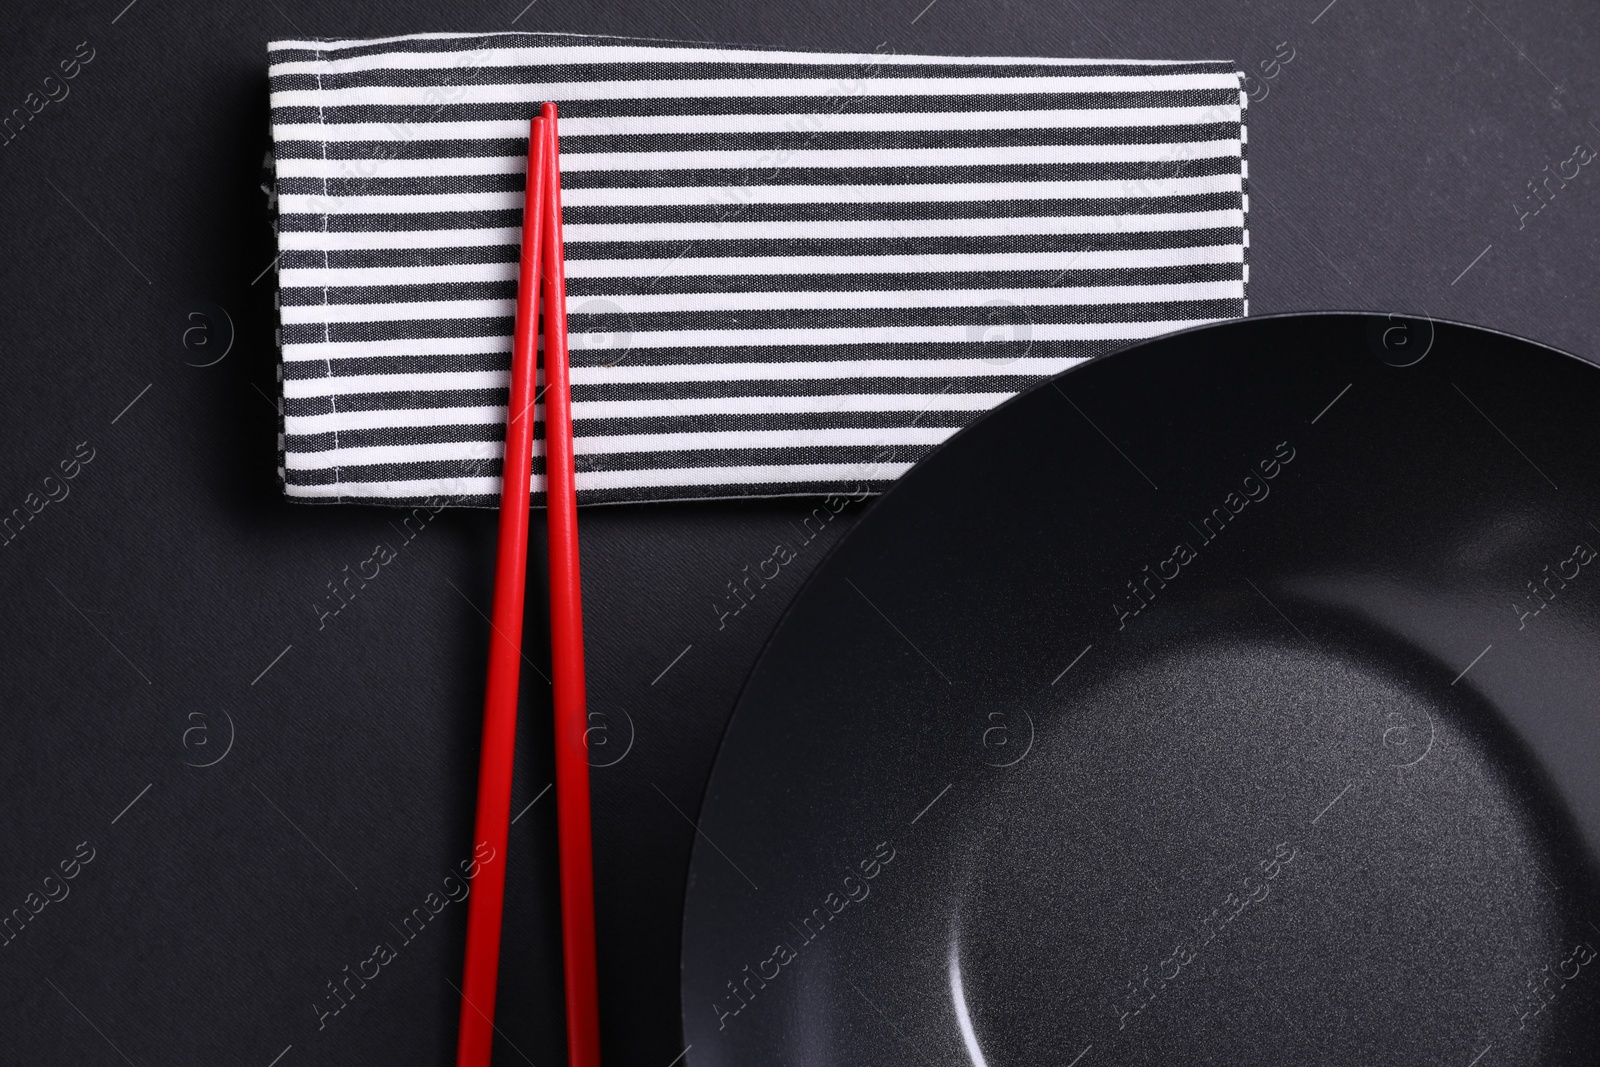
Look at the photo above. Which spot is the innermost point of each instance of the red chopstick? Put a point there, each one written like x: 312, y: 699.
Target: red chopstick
x: 484, y: 906
x: 566, y: 641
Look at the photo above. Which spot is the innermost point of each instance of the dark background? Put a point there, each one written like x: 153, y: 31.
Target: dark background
x: 138, y: 614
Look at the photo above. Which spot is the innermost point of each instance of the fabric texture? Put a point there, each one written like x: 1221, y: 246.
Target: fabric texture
x: 787, y: 273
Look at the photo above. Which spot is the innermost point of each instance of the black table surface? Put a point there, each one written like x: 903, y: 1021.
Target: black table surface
x: 251, y: 797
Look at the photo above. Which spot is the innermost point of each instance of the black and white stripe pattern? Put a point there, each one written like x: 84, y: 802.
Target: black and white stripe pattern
x: 788, y: 273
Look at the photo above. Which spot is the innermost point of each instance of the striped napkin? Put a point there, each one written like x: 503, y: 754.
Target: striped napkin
x: 788, y: 273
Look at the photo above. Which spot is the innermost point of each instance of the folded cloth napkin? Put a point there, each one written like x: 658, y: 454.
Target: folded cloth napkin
x: 788, y: 273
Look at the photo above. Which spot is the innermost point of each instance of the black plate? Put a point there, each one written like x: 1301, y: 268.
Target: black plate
x: 1228, y: 700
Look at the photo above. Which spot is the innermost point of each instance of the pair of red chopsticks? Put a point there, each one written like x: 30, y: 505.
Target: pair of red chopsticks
x: 541, y: 240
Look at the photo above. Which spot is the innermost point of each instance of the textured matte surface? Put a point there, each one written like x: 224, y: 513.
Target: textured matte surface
x: 1385, y: 157
x: 1234, y: 730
